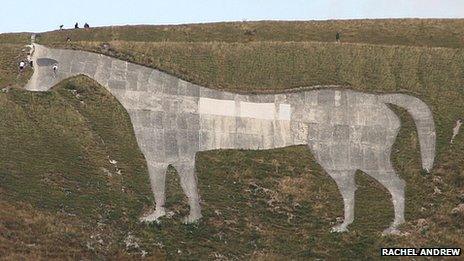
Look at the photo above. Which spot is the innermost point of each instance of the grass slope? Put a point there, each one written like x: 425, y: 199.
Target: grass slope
x: 273, y: 204
x: 55, y: 156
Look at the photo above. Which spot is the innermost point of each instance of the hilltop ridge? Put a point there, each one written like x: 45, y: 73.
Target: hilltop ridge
x: 412, y: 32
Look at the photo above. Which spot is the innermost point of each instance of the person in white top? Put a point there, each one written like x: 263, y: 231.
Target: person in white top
x: 55, y: 68
x: 22, y: 64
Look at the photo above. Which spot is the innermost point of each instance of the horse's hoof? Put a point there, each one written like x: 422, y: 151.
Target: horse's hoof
x: 339, y: 229
x: 153, y: 217
x: 191, y: 218
x: 392, y: 230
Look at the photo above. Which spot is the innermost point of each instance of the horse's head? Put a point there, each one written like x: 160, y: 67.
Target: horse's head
x: 50, y: 67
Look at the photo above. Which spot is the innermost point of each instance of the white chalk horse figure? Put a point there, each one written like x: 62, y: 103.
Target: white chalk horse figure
x: 174, y: 119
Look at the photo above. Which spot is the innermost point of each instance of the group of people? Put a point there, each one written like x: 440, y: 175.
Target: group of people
x: 86, y: 26
x: 76, y: 26
x: 22, y: 66
x: 30, y: 61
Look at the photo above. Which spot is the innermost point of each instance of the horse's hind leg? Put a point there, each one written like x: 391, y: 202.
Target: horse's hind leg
x: 345, y: 180
x: 395, y: 185
x: 188, y: 182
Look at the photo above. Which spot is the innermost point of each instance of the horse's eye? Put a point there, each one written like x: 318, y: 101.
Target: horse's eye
x: 46, y: 62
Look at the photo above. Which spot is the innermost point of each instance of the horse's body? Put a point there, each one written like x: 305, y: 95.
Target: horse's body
x: 174, y: 119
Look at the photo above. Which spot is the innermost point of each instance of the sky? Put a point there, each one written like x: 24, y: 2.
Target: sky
x: 40, y: 15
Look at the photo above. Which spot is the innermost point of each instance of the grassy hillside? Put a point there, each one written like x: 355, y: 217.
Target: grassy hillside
x: 273, y: 204
x: 55, y: 155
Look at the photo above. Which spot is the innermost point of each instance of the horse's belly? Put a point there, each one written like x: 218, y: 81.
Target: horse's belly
x: 220, y: 132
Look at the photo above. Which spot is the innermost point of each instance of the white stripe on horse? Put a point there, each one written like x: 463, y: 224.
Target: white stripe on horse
x: 264, y: 111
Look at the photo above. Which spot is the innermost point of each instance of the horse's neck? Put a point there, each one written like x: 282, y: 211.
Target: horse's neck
x: 134, y: 86
x: 117, y: 76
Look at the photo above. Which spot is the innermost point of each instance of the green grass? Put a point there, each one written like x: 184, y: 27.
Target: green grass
x: 274, y: 204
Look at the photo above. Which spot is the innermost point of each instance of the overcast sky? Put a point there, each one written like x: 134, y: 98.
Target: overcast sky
x: 40, y: 15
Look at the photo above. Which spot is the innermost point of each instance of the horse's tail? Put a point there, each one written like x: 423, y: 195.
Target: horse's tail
x: 423, y: 119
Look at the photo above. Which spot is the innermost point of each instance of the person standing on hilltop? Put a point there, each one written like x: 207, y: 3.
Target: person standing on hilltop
x: 61, y: 27
x: 337, y: 37
x: 76, y: 26
x: 86, y: 26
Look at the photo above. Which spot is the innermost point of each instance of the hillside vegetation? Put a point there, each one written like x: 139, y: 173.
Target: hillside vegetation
x: 56, y: 149
x: 413, y: 32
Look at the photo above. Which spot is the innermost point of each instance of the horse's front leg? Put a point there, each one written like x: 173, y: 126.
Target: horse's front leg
x: 188, y: 181
x: 157, y: 174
